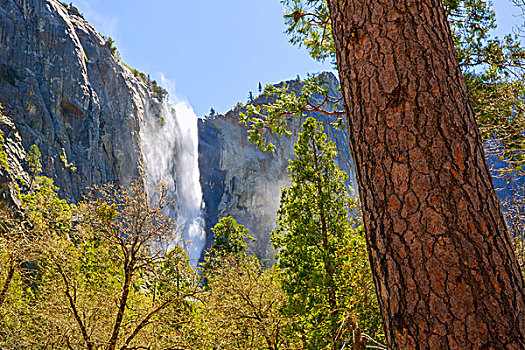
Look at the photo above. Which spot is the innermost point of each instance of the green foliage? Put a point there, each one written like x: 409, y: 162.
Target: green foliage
x: 110, y: 44
x: 212, y: 113
x: 242, y: 309
x: 493, y: 71
x: 320, y: 247
x: 68, y: 165
x: 500, y: 112
x: 158, y: 91
x: 106, y: 281
x: 34, y: 161
x: 308, y: 24
x: 45, y: 210
x: 357, y: 285
x: 284, y: 101
x: 471, y: 21
x: 3, y: 155
x: 99, y: 273
x: 230, y: 239
x: 27, y: 240
x: 514, y: 211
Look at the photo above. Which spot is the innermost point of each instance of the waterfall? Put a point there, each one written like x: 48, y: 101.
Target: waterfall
x: 170, y: 151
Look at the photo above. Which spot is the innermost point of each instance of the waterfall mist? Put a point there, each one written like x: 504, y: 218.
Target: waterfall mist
x: 170, y: 150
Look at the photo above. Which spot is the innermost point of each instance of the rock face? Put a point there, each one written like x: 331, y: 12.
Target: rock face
x: 66, y: 91
x: 13, y: 176
x: 239, y: 180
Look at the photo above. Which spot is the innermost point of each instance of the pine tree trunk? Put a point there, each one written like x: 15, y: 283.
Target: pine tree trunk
x: 444, y: 269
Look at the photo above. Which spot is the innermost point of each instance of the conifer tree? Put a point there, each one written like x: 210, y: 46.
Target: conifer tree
x: 313, y: 233
x: 229, y: 242
x: 212, y: 113
x: 229, y: 237
x: 34, y: 160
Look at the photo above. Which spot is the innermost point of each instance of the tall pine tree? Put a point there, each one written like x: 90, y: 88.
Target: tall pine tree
x: 313, y: 236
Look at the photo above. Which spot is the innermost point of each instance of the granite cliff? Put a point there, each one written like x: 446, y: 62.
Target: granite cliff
x: 65, y: 90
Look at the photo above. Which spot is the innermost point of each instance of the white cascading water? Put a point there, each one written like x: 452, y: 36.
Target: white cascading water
x: 170, y: 150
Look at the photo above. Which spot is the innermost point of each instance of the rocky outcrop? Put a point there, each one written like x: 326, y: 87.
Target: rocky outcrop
x: 65, y: 90
x: 239, y: 180
x: 13, y: 162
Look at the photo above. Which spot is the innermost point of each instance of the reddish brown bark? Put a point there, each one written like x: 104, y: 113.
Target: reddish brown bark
x: 443, y: 265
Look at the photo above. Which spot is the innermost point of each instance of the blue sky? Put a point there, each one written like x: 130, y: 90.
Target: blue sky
x: 211, y: 52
